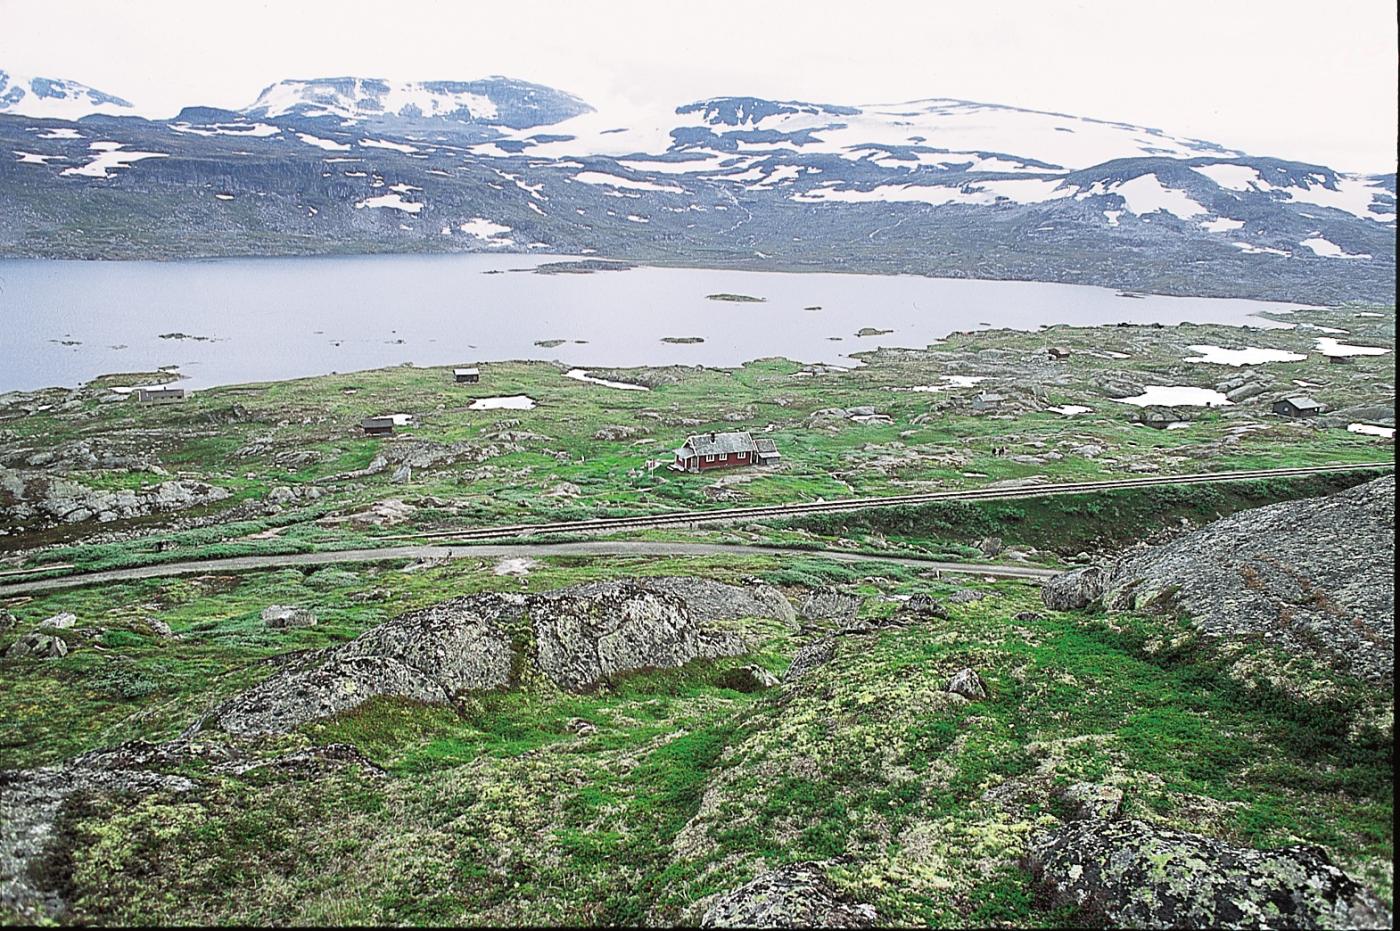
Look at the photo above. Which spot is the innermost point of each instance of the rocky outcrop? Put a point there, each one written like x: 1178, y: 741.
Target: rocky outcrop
x: 1314, y: 576
x: 430, y: 656
x: 30, y: 496
x: 812, y: 656
x: 582, y: 636
x: 795, y: 896
x: 1131, y: 874
x: 968, y: 684
x: 1072, y: 590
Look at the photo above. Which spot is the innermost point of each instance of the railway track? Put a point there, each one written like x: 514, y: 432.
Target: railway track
x: 770, y: 512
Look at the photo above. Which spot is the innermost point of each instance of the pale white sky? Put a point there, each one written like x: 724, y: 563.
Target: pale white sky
x: 1303, y: 80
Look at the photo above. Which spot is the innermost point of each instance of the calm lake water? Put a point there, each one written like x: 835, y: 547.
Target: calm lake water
x: 62, y: 323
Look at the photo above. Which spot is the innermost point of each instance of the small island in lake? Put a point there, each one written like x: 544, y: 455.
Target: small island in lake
x: 736, y: 298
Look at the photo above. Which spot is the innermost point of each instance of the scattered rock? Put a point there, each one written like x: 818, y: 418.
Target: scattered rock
x: 581, y: 727
x: 829, y: 604
x: 402, y: 475
x: 1075, y: 589
x: 158, y: 627
x: 967, y: 596
x: 38, y: 646
x: 7, y: 622
x: 1131, y: 874
x: 968, y: 684
x: 61, y: 621
x: 1027, y: 616
x: 991, y: 546
x: 280, y: 616
x: 795, y: 896
x: 924, y: 606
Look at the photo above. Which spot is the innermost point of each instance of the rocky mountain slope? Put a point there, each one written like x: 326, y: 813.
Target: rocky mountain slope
x: 946, y: 187
x: 1314, y: 576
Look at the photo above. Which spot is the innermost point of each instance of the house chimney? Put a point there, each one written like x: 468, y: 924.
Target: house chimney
x: 712, y: 436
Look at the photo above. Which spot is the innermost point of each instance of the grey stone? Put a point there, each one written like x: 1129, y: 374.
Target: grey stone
x: 968, y: 684
x: 812, y: 656
x: 1075, y: 589
x: 402, y: 475
x: 829, y: 604
x: 281, y: 616
x: 38, y: 646
x: 1131, y: 874
x: 61, y: 621
x: 795, y: 896
x: 1092, y: 800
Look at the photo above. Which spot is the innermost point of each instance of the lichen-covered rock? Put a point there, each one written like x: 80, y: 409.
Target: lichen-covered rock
x: 583, y: 638
x: 8, y: 622
x: 812, y: 656
x: 829, y: 604
x: 431, y: 656
x: 281, y: 616
x: 38, y: 646
x: 924, y: 606
x: 1131, y: 874
x: 1072, y: 590
x: 1092, y: 800
x: 1313, y: 576
x: 48, y: 498
x: 795, y: 896
x: 968, y: 684
x: 61, y: 621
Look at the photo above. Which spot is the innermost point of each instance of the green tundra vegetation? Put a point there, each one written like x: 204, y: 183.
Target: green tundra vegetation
x: 501, y: 809
x: 902, y: 422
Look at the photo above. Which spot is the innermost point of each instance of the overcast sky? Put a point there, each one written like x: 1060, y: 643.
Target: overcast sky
x: 1303, y: 80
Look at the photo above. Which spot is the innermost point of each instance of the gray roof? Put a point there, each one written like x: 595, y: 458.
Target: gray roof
x: 1303, y: 403
x: 721, y: 444
x: 467, y: 371
x: 765, y: 446
x: 377, y: 422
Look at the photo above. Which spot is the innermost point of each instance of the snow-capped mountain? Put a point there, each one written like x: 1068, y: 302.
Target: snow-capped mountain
x: 936, y: 186
x: 493, y: 101
x: 50, y: 98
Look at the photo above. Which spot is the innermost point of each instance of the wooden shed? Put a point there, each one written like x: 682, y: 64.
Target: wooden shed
x: 1297, y: 406
x: 466, y: 376
x: 160, y: 395
x: 377, y: 426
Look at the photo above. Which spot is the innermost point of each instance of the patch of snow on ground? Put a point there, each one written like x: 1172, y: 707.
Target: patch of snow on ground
x: 486, y: 231
x: 386, y: 144
x: 1330, y: 250
x: 1258, y: 250
x: 1330, y: 347
x: 110, y: 156
x: 582, y: 375
x: 515, y: 402
x: 1371, y: 429
x: 256, y: 130
x: 34, y: 158
x: 1216, y: 355
x: 393, y: 201
x: 1147, y: 194
x: 61, y: 134
x: 1352, y: 195
x: 223, y: 197
x: 328, y: 144
x: 516, y: 566
x: 599, y: 177
x: 1221, y: 225
x: 1069, y: 410
x: 1234, y: 177
x: 1177, y: 395
x: 636, y: 219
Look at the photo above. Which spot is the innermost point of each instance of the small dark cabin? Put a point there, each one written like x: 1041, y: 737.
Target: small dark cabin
x: 469, y: 376
x: 1297, y: 406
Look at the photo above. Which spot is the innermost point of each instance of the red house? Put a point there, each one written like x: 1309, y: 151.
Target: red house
x: 722, y: 451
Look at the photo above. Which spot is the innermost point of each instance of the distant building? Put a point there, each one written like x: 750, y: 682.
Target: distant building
x: 986, y: 401
x: 466, y: 376
x: 1057, y: 353
x: 159, y: 395
x: 723, y: 450
x: 1297, y: 406
x: 377, y: 426
x: 1340, y: 360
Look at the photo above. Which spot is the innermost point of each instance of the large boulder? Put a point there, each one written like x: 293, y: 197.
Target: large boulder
x: 1075, y: 589
x: 39, y: 496
x: 1131, y: 874
x: 795, y: 896
x: 812, y: 656
x: 1315, y: 576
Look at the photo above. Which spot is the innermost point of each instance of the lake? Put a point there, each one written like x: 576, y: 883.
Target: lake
x: 227, y: 321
